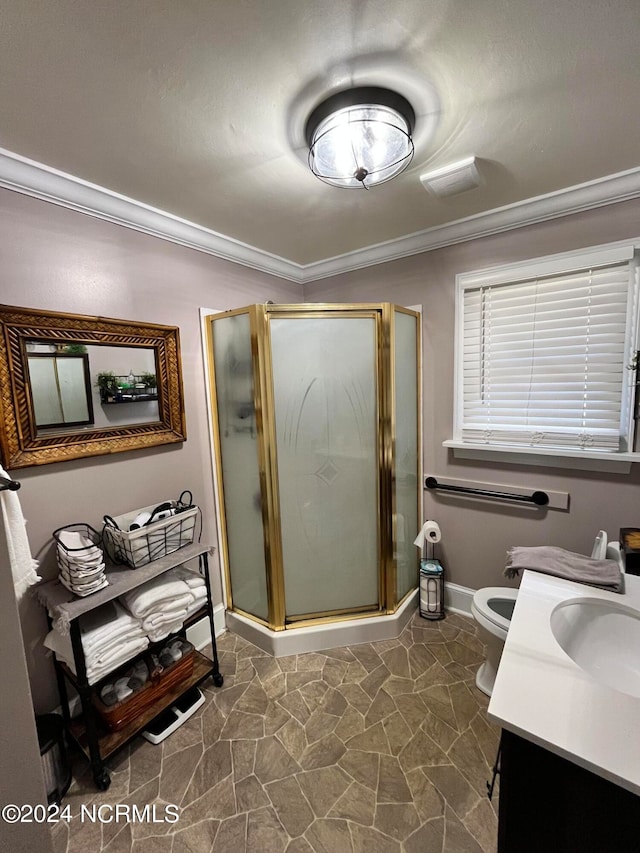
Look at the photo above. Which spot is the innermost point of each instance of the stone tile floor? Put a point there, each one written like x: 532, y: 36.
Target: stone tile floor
x: 377, y: 748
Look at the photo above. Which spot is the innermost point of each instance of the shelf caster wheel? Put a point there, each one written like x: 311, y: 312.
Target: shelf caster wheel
x: 103, y: 780
x: 218, y: 679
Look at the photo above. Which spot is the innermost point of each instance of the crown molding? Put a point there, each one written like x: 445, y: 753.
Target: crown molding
x: 35, y: 179
x: 611, y: 189
x: 26, y: 176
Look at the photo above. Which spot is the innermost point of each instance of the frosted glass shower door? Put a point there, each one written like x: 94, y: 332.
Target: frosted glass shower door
x: 238, y: 463
x: 407, y: 449
x: 326, y: 428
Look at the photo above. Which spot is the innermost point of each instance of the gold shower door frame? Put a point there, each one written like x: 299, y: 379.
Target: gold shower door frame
x: 259, y: 316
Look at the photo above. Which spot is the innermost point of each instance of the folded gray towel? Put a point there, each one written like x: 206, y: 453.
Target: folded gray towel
x: 564, y: 564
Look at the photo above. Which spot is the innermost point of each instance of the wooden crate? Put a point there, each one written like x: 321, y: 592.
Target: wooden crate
x: 120, y: 715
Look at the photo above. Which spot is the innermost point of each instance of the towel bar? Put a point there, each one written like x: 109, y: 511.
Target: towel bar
x: 11, y: 485
x: 537, y: 498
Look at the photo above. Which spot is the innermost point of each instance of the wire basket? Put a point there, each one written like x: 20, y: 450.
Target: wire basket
x: 138, y: 547
x: 68, y: 558
x: 80, y: 558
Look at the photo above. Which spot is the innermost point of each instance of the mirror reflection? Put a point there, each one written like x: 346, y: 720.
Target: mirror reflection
x: 73, y: 386
x: 60, y: 389
x: 93, y: 386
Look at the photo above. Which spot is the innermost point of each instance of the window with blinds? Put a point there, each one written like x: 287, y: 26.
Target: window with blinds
x: 542, y: 360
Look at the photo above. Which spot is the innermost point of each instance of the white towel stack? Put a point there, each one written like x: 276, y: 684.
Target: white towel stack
x: 81, y: 563
x: 163, y: 604
x: 110, y: 637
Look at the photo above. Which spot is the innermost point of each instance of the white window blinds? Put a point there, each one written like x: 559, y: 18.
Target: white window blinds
x: 543, y: 359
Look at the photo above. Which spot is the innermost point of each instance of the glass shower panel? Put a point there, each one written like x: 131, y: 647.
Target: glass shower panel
x: 407, y: 450
x: 326, y: 413
x: 238, y: 443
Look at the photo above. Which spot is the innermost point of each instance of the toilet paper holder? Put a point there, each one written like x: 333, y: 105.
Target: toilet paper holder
x: 431, y: 589
x: 431, y: 572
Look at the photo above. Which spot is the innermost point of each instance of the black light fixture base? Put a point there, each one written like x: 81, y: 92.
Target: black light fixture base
x: 356, y: 97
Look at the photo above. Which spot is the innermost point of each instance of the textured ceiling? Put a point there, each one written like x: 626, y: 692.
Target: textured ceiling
x: 196, y: 107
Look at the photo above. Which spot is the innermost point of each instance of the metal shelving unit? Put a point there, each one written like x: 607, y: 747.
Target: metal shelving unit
x: 91, y: 735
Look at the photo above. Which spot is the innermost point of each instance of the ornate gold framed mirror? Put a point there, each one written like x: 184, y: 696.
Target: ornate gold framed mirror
x: 73, y: 385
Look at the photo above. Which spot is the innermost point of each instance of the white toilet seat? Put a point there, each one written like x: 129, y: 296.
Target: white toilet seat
x: 481, y: 600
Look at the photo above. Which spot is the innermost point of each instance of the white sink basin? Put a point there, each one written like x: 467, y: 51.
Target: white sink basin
x: 603, y: 638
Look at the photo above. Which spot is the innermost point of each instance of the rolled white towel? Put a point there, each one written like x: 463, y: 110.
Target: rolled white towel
x: 83, y: 589
x: 73, y: 572
x: 75, y: 540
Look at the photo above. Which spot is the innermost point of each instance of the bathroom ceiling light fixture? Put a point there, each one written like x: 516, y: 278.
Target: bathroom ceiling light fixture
x: 360, y: 137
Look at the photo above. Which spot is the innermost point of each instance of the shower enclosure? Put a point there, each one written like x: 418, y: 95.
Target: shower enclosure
x: 316, y: 419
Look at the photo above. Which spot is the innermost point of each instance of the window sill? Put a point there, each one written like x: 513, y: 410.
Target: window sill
x: 577, y: 460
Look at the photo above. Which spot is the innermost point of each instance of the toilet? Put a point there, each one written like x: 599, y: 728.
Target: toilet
x: 492, y: 608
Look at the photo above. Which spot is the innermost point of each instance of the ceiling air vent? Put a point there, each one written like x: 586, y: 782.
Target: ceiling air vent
x: 453, y: 179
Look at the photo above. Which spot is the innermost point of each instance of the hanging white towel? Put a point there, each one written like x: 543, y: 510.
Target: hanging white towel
x: 23, y: 566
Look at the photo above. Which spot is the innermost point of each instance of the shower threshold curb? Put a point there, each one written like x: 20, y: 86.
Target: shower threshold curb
x: 316, y: 638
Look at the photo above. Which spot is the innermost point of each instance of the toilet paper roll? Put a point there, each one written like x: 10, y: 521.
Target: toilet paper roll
x: 430, y: 533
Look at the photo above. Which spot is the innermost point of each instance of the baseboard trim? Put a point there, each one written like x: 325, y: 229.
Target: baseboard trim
x: 199, y: 633
x: 458, y: 599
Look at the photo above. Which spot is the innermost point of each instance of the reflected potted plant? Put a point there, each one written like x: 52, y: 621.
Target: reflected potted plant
x: 150, y: 381
x: 108, y: 386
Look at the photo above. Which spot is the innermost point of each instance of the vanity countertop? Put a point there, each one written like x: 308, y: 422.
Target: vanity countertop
x: 543, y: 696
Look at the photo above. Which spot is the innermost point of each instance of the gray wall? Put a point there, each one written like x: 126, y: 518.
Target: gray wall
x: 476, y: 534
x: 55, y: 259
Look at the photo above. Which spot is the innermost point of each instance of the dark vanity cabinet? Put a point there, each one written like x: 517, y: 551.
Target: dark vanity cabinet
x: 551, y: 805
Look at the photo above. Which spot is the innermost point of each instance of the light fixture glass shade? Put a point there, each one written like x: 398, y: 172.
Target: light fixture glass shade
x: 360, y: 144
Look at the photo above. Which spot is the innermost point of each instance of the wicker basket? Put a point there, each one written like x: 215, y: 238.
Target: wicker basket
x: 138, y: 547
x: 117, y: 716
